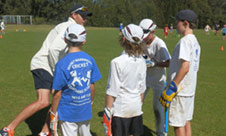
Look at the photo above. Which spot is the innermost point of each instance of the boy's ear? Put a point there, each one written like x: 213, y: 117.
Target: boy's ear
x: 83, y: 42
x: 186, y: 23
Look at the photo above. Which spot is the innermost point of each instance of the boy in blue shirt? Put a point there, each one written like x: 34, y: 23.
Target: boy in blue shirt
x: 224, y: 32
x: 74, y: 79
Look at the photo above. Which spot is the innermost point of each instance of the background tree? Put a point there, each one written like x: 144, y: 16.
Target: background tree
x: 110, y: 13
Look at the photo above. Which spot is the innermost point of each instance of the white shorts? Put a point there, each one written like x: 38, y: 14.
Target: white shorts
x: 181, y: 110
x: 75, y: 128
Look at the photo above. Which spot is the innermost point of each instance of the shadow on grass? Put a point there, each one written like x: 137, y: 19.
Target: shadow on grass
x: 36, y: 121
x: 147, y: 131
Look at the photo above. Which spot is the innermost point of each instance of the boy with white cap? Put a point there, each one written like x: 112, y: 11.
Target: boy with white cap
x: 157, y: 58
x: 126, y: 86
x: 74, y: 78
x: 182, y: 76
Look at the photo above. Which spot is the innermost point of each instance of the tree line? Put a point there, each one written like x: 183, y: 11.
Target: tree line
x: 110, y: 13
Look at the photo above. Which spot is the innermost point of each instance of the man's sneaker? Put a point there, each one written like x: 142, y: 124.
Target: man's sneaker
x: 44, y: 134
x: 6, y: 132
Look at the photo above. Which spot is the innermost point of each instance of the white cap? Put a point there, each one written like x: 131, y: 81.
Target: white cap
x: 148, y: 26
x: 131, y: 31
x: 75, y: 33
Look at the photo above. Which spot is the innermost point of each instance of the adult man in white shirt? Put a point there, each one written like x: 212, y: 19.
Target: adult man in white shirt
x: 42, y: 67
x: 157, y: 58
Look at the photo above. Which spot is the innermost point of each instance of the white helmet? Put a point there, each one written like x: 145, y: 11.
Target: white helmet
x: 148, y: 26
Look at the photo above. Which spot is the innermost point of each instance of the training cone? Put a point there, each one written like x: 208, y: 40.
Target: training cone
x: 1, y: 37
x: 222, y: 47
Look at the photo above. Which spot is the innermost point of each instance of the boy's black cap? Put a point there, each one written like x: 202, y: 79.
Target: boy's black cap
x: 80, y: 9
x: 187, y: 14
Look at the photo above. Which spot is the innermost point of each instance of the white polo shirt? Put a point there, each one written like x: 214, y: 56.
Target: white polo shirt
x: 53, y: 48
x: 156, y: 76
x: 126, y: 82
x: 187, y: 49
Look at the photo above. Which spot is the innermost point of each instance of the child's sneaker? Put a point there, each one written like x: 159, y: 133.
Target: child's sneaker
x: 6, y: 132
x: 44, y: 134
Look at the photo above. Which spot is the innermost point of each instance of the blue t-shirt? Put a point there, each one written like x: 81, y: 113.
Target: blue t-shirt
x: 224, y: 30
x: 73, y: 75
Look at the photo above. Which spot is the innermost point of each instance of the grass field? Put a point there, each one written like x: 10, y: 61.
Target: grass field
x: 17, y: 89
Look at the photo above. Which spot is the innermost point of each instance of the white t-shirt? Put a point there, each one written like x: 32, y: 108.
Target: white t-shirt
x: 156, y: 76
x: 187, y: 49
x: 126, y: 82
x: 53, y: 48
x: 2, y: 25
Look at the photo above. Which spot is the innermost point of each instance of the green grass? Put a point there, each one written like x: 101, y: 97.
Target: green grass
x: 17, y: 89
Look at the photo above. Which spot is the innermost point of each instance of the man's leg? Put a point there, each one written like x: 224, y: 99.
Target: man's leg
x: 159, y: 112
x: 41, y: 102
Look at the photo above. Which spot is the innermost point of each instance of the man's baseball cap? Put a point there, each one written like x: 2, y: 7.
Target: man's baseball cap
x: 187, y: 14
x: 80, y: 9
x: 131, y: 31
x: 148, y: 26
x: 75, y: 33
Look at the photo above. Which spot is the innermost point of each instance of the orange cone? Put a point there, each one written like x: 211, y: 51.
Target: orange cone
x: 1, y: 37
x: 222, y: 47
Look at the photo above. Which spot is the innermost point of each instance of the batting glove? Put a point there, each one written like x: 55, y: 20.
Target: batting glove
x: 53, y: 123
x: 168, y: 95
x: 107, y: 121
x: 150, y: 63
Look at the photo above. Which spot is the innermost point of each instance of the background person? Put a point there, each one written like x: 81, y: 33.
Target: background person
x: 182, y: 76
x: 216, y: 28
x: 73, y: 83
x: 42, y: 68
x: 171, y: 28
x: 157, y: 54
x: 224, y: 32
x: 166, y: 31
x: 2, y: 27
x: 207, y: 29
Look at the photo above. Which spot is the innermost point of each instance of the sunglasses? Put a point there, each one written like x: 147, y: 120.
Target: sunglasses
x: 84, y: 9
x: 146, y: 31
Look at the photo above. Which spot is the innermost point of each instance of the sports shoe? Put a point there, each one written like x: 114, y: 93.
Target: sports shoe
x: 6, y: 132
x: 44, y: 134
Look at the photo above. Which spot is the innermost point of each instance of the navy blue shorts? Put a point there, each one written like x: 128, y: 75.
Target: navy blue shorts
x: 127, y: 126
x: 223, y: 34
x: 42, y: 79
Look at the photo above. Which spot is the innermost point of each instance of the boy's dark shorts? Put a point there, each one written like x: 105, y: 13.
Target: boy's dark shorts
x: 127, y: 126
x: 223, y: 34
x: 42, y: 79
